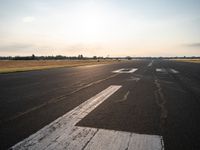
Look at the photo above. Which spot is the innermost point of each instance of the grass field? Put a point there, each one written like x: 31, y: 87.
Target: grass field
x: 28, y: 65
x: 188, y: 60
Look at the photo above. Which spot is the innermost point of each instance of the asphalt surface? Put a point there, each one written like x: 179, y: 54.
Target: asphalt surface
x: 165, y: 102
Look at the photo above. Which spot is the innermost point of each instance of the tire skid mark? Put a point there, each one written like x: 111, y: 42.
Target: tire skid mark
x: 64, y: 130
x: 56, y: 100
x: 182, y: 82
x: 184, y: 86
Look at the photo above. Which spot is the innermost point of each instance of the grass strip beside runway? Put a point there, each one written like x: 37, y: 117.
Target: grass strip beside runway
x: 188, y: 60
x: 29, y: 65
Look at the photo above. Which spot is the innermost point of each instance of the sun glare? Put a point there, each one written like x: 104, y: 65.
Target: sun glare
x: 89, y: 23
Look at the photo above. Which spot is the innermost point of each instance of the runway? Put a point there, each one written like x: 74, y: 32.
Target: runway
x: 139, y: 104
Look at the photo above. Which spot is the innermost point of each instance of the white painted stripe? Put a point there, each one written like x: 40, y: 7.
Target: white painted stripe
x: 63, y: 134
x: 133, y: 79
x: 150, y: 64
x: 125, y: 70
x: 173, y: 71
x: 66, y: 123
x: 118, y: 140
x: 161, y: 70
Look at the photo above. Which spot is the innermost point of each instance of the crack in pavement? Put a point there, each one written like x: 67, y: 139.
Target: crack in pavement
x: 124, y: 97
x: 55, y: 100
x: 161, y: 101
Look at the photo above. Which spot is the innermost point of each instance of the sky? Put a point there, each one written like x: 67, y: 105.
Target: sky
x: 100, y: 27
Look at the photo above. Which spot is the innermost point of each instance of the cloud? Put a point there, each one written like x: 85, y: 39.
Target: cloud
x: 195, y: 45
x: 28, y: 19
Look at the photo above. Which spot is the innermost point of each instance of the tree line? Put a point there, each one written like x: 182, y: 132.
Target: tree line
x: 81, y: 57
x: 57, y: 57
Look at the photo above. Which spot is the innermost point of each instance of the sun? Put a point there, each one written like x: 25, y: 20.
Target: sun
x: 90, y: 23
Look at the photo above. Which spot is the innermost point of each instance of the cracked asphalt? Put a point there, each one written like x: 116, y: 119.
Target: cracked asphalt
x: 164, y: 102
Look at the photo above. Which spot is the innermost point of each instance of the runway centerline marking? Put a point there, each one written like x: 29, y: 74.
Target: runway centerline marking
x: 173, y: 71
x: 133, y: 79
x: 125, y: 70
x: 150, y: 64
x: 161, y: 70
x: 64, y: 134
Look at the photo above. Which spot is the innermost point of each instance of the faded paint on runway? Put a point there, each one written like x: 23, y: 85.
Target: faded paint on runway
x: 64, y: 134
x: 125, y: 70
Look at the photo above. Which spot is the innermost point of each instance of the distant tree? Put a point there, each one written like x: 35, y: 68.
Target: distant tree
x: 94, y: 57
x: 128, y: 57
x: 100, y: 57
x: 60, y: 57
x: 80, y: 56
x: 33, y: 57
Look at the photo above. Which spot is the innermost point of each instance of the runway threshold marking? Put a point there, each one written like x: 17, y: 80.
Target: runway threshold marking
x: 125, y: 70
x: 64, y: 134
x: 165, y: 71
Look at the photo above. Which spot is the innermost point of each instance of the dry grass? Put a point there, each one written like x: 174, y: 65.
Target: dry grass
x: 188, y: 60
x: 19, y: 65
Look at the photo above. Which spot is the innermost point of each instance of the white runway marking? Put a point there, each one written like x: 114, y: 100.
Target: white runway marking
x: 133, y: 79
x: 63, y: 134
x: 165, y: 71
x: 150, y: 64
x: 161, y: 70
x: 173, y: 71
x: 125, y: 70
